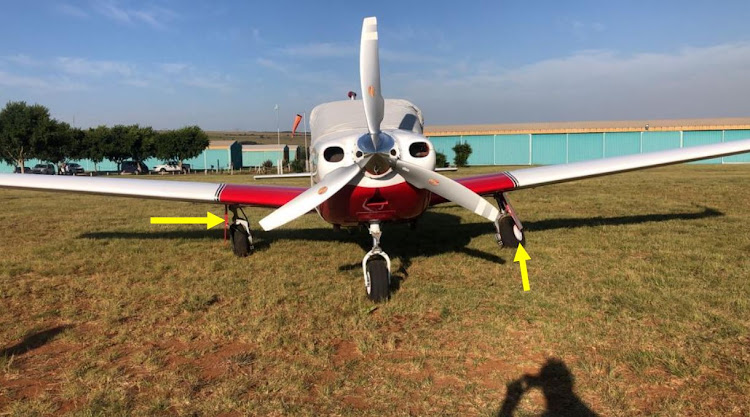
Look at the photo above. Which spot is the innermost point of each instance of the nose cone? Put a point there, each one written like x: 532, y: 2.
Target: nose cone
x: 376, y: 143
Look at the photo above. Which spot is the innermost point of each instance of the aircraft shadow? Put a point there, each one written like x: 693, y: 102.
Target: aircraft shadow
x: 33, y: 341
x: 567, y: 223
x: 556, y: 382
x: 436, y: 233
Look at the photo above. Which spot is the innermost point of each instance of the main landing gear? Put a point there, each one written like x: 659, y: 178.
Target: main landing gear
x: 508, y: 227
x: 377, y: 268
x: 239, y: 232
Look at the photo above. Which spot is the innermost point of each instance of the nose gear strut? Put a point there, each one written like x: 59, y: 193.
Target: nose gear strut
x: 377, y: 267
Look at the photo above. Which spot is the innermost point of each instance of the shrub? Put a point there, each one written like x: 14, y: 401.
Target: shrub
x: 267, y: 164
x: 440, y: 160
x: 462, y: 150
x: 298, y: 165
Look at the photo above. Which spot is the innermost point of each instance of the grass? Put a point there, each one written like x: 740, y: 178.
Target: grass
x: 639, y: 305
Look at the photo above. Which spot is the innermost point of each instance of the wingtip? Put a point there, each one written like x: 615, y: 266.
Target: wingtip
x: 372, y: 20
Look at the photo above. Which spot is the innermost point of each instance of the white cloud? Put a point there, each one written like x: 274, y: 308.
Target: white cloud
x: 136, y: 82
x: 173, y: 67
x: 271, y: 64
x: 44, y: 84
x: 216, y: 82
x: 320, y: 50
x: 87, y: 67
x: 692, y: 82
x: 71, y: 10
x: 154, y: 16
x: 22, y: 59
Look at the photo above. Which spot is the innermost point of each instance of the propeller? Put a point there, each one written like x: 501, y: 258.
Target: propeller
x: 376, y: 147
x: 369, y: 78
x: 445, y: 187
x: 313, y: 197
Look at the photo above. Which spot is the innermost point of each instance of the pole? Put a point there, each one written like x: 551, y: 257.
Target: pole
x: 278, y: 132
x: 307, y: 160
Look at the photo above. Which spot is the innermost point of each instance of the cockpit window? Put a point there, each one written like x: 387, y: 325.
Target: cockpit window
x: 333, y: 154
x: 419, y: 149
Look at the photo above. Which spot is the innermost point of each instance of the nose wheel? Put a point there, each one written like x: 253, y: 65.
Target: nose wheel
x: 377, y: 268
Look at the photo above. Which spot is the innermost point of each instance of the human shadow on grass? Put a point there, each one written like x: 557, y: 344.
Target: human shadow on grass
x: 33, y: 341
x: 556, y: 382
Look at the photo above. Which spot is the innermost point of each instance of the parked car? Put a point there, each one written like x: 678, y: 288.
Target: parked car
x: 73, y: 169
x: 172, y: 166
x: 17, y: 170
x: 45, y: 169
x: 133, y: 167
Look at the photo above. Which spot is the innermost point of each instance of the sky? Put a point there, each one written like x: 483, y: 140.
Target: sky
x: 224, y: 65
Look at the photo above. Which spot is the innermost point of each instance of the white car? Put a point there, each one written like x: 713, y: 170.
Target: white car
x: 171, y: 166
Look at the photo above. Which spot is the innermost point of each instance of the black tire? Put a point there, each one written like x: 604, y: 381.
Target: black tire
x: 508, y: 233
x: 377, y: 269
x: 240, y: 241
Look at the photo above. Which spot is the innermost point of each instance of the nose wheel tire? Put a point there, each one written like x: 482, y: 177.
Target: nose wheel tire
x: 509, y: 235
x: 378, y: 288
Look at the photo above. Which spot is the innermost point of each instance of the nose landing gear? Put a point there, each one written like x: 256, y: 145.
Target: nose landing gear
x: 508, y: 227
x: 377, y: 268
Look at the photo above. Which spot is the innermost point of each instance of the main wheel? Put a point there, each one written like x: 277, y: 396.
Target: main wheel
x: 240, y: 241
x: 510, y: 234
x: 377, y: 273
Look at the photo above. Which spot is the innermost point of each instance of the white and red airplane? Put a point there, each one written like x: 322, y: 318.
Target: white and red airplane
x: 371, y: 165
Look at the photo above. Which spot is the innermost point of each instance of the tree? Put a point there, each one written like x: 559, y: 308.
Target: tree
x: 115, y: 141
x: 62, y: 143
x: 23, y: 132
x: 181, y: 144
x: 462, y: 151
x: 142, y: 141
x: 94, y: 144
x: 128, y: 142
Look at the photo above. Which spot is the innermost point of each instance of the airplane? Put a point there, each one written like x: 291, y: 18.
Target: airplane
x: 372, y: 165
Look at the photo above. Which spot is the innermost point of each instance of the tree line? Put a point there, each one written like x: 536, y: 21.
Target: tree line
x: 28, y: 132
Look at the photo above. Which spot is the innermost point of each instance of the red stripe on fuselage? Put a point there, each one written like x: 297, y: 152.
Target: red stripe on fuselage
x: 258, y: 195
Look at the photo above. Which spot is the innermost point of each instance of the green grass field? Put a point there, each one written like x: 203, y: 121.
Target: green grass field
x: 639, y: 305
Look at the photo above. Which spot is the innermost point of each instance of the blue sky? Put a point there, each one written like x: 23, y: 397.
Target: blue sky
x: 223, y: 65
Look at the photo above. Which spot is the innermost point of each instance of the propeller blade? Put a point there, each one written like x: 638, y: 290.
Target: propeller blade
x: 446, y: 188
x: 315, y: 196
x: 369, y: 77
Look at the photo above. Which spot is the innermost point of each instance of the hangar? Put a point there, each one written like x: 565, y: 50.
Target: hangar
x: 563, y: 142
x: 255, y: 155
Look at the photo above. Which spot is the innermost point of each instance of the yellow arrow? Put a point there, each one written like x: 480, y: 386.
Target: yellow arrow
x: 521, y: 258
x: 210, y: 220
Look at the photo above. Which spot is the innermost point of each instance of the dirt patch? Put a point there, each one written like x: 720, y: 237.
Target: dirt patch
x: 345, y: 351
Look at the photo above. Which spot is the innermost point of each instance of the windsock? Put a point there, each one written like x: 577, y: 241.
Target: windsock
x: 297, y: 119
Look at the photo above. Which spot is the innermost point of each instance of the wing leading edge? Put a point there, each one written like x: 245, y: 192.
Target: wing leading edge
x: 551, y: 174
x: 190, y: 191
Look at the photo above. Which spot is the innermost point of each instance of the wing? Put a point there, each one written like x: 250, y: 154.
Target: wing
x: 203, y: 192
x: 551, y: 174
